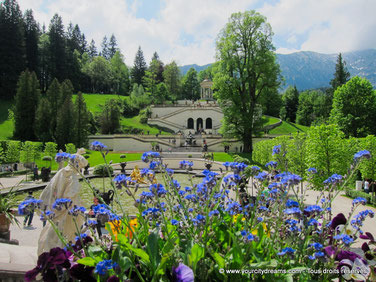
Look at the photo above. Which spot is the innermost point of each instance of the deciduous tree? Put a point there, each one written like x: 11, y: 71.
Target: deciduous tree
x: 246, y: 68
x: 354, y: 107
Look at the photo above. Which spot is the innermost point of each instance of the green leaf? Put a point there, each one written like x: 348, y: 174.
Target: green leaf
x: 122, y: 239
x: 197, y: 253
x: 140, y: 253
x: 169, y: 245
x: 96, y: 251
x: 153, y: 250
x: 219, y: 260
x: 88, y: 261
x: 265, y: 264
x: 237, y: 258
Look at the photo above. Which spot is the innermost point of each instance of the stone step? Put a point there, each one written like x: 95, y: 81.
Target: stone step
x: 182, y: 155
x: 4, y: 256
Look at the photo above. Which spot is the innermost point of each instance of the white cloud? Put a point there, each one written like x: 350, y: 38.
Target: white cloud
x: 327, y: 26
x: 185, y: 31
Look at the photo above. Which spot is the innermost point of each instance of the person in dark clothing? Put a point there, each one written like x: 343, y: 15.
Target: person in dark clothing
x: 35, y: 171
x: 30, y: 214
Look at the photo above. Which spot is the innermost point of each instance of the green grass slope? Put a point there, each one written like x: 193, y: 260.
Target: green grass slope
x: 94, y: 102
x: 287, y: 128
x: 6, y: 126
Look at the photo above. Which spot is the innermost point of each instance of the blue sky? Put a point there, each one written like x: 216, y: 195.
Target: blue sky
x: 185, y: 31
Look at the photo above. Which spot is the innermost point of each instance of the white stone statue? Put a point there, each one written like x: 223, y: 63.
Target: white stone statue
x: 64, y: 184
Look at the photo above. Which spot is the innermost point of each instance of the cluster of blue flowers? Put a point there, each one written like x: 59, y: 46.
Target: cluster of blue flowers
x: 292, y: 225
x: 357, y: 222
x: 60, y: 203
x: 122, y: 180
x: 98, y: 146
x: 235, y: 166
x: 185, y: 164
x: 271, y: 164
x: 75, y: 211
x: 276, y: 150
x: 346, y: 239
x: 317, y: 247
x: 158, y: 190
x: 359, y: 200
x: 312, y: 170
x: 103, y: 266
x: 64, y: 157
x: 287, y: 250
x: 28, y: 205
x: 47, y: 214
x: 362, y: 154
x: 334, y: 179
x: 103, y: 209
x: 147, y: 156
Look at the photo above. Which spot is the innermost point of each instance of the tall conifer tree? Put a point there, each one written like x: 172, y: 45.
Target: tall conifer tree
x: 31, y: 41
x: 57, y: 49
x: 27, y: 98
x: 139, y: 67
x: 82, y: 121
x: 12, y: 47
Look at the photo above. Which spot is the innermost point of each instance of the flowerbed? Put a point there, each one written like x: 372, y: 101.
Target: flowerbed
x: 200, y: 232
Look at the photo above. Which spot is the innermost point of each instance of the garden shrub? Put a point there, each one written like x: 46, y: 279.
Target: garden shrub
x: 102, y: 170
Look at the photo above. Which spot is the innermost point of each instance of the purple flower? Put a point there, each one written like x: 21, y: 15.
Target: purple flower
x: 82, y: 273
x: 367, y: 251
x: 182, y: 273
x: 47, y: 264
x: 339, y: 219
x: 368, y: 236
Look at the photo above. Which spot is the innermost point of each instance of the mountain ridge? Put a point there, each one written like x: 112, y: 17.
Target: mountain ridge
x: 310, y: 70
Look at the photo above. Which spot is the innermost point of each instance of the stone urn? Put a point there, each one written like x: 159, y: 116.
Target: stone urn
x: 4, y: 223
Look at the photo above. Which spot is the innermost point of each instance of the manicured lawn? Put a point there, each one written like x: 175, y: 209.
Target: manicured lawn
x: 270, y: 120
x: 229, y: 157
x: 288, y: 127
x: 96, y: 158
x: 6, y: 126
x: 6, y: 130
x: 94, y: 102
